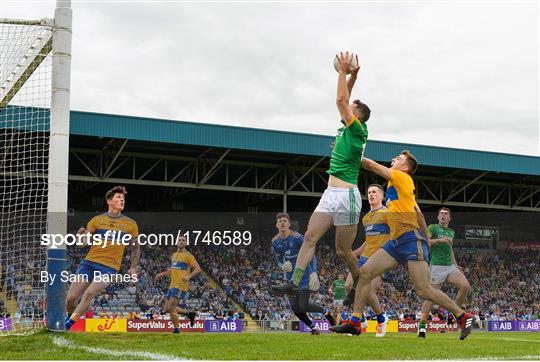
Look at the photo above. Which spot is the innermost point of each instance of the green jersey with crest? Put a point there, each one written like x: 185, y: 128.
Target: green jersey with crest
x: 440, y: 253
x: 348, y: 149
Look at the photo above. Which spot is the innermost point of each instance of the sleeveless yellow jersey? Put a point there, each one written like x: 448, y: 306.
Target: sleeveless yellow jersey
x: 376, y: 230
x: 110, y: 253
x: 400, y: 201
x: 181, y: 264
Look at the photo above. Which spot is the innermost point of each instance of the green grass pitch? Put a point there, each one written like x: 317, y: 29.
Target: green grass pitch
x: 268, y: 346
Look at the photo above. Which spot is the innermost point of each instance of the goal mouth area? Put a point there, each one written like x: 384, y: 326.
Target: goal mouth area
x: 33, y: 82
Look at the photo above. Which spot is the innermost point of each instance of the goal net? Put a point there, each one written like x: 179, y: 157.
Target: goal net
x: 26, y: 100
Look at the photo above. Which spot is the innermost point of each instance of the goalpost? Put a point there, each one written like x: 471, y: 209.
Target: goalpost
x: 35, y: 61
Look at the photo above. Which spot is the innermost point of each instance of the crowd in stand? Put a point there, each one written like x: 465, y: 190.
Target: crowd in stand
x: 500, y: 289
x: 20, y: 278
x: 505, y: 289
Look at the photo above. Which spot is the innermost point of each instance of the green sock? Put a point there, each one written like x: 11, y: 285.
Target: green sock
x: 297, y: 275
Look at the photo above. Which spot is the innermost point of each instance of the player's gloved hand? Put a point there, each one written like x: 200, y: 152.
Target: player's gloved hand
x: 314, y: 283
x: 287, y: 267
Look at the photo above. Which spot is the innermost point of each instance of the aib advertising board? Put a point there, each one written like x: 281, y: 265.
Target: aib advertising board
x: 5, y: 324
x: 322, y: 325
x: 223, y: 326
x: 514, y: 326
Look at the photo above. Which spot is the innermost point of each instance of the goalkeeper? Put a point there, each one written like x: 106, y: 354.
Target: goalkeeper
x: 285, y: 246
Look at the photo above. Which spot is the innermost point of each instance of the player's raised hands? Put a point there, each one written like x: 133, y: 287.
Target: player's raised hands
x: 354, y: 71
x: 344, y: 60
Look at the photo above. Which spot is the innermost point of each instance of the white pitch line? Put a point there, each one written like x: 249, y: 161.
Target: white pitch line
x: 514, y: 358
x: 517, y: 339
x: 62, y: 342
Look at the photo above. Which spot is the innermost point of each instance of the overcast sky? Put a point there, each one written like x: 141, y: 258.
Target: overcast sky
x: 450, y: 74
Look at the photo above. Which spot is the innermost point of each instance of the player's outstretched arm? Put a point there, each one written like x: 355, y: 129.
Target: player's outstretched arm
x: 343, y: 93
x: 435, y: 241
x: 421, y: 221
x: 375, y: 167
x: 83, y: 237
x: 353, y: 76
x: 163, y: 274
x: 135, y: 255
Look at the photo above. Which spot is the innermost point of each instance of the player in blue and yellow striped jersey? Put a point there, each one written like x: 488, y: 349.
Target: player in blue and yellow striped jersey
x: 377, y: 233
x: 285, y: 246
x: 407, y: 244
x: 103, y: 261
x: 183, y: 268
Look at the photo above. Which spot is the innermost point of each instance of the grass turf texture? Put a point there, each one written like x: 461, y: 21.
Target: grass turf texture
x: 259, y: 346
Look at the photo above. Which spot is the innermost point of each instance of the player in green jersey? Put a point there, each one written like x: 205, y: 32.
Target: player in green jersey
x: 341, y: 202
x: 443, y: 265
x: 337, y: 289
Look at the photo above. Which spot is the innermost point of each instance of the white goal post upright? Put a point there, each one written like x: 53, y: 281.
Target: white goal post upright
x: 57, y: 199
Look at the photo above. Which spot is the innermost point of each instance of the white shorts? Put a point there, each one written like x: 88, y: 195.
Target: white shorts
x: 439, y: 273
x: 342, y: 204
